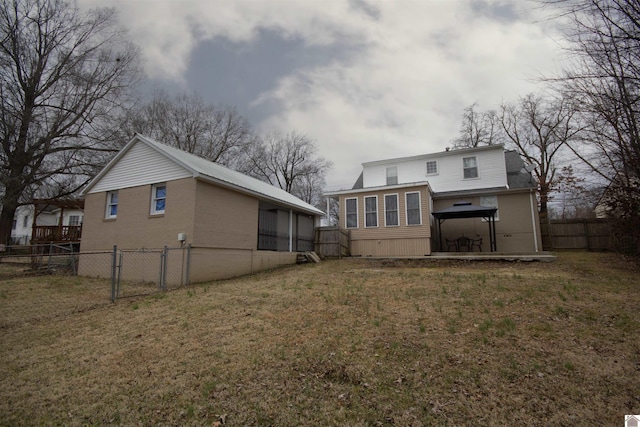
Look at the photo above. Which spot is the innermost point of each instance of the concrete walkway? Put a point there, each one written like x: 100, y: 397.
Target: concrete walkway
x: 495, y: 256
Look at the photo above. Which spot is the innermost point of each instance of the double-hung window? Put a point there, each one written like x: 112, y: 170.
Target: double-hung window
x: 470, y: 167
x: 432, y: 167
x: 490, y: 202
x: 74, y: 220
x: 112, y: 205
x: 371, y: 211
x: 414, y: 216
x: 391, y: 210
x: 392, y: 175
x: 158, y: 198
x: 351, y: 212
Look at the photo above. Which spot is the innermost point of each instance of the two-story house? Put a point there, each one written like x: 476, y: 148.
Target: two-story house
x: 414, y: 206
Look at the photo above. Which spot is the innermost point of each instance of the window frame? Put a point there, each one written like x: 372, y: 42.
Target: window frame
x: 346, y: 212
x: 435, y: 162
x: 465, y: 168
x: 394, y: 169
x: 154, y: 199
x: 419, y: 208
x: 397, y: 210
x: 110, y: 204
x: 366, y: 212
x: 491, y: 205
x: 71, y: 217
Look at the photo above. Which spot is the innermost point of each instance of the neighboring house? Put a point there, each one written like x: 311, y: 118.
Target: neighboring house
x: 57, y: 221
x: 413, y: 206
x: 152, y: 195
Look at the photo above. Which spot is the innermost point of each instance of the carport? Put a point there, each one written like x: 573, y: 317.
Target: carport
x: 464, y: 209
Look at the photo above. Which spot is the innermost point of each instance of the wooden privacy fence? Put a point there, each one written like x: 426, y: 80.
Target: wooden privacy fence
x: 591, y: 234
x: 333, y: 242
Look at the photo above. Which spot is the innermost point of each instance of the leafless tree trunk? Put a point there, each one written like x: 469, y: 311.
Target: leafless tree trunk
x: 290, y: 162
x: 478, y: 128
x: 539, y: 129
x: 63, y: 74
x: 218, y: 134
x: 604, y: 81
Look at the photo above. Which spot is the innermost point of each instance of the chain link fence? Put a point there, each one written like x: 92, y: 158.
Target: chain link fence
x: 130, y: 272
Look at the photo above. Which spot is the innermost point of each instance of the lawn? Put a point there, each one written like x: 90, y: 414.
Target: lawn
x: 353, y: 342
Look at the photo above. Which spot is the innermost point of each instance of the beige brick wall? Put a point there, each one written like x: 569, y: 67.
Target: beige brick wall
x: 225, y: 218
x: 134, y: 227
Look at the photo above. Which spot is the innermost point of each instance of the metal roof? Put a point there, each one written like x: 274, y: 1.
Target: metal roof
x: 218, y: 174
x: 464, y: 209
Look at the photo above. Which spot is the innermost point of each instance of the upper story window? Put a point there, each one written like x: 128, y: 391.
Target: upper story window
x: 74, y: 219
x: 414, y: 216
x: 371, y: 211
x: 351, y: 211
x: 490, y: 202
x: 432, y: 167
x: 392, y: 175
x: 391, y: 210
x: 470, y: 167
x: 158, y: 198
x: 112, y: 205
x: 25, y: 221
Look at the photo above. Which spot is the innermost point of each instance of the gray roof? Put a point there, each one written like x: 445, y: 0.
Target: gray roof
x: 517, y: 175
x: 218, y: 174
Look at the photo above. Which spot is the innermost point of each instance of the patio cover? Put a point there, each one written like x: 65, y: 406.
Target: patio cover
x: 464, y: 209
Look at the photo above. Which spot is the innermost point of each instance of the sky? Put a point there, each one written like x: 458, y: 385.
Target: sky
x: 364, y: 79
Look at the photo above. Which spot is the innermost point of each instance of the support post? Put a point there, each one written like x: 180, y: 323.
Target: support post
x: 113, y: 272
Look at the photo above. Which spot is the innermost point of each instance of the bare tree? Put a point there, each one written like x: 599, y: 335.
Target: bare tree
x: 478, y: 128
x: 538, y: 129
x: 63, y: 74
x: 290, y: 162
x: 604, y: 80
x: 185, y: 121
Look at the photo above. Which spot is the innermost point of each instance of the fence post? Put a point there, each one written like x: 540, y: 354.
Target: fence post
x: 189, y: 264
x: 163, y: 269
x: 113, y: 273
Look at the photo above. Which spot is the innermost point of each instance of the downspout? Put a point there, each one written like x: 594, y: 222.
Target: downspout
x: 533, y: 221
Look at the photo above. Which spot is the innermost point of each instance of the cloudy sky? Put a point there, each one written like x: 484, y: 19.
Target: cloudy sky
x: 365, y: 79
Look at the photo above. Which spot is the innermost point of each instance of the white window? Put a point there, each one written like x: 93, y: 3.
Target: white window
x: 371, y: 211
x: 470, y: 167
x: 25, y: 221
x: 414, y: 216
x: 158, y: 198
x: 490, y: 202
x: 392, y: 175
x: 391, y: 210
x: 432, y: 167
x: 74, y: 219
x: 351, y: 211
x: 112, y: 205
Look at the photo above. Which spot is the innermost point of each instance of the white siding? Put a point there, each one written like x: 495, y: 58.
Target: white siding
x: 141, y: 165
x: 491, y: 170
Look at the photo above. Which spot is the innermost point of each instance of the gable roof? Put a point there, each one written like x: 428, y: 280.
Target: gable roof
x: 205, y: 170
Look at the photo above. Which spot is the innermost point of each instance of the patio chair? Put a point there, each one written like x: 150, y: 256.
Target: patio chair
x: 476, y: 243
x: 452, y: 243
x: 464, y: 242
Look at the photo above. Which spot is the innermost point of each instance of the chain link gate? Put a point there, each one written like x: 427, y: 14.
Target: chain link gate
x: 145, y: 271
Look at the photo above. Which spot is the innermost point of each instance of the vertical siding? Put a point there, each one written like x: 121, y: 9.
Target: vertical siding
x: 514, y: 230
x: 140, y: 165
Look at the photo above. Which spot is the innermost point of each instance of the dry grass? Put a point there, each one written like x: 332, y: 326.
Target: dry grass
x: 345, y: 342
